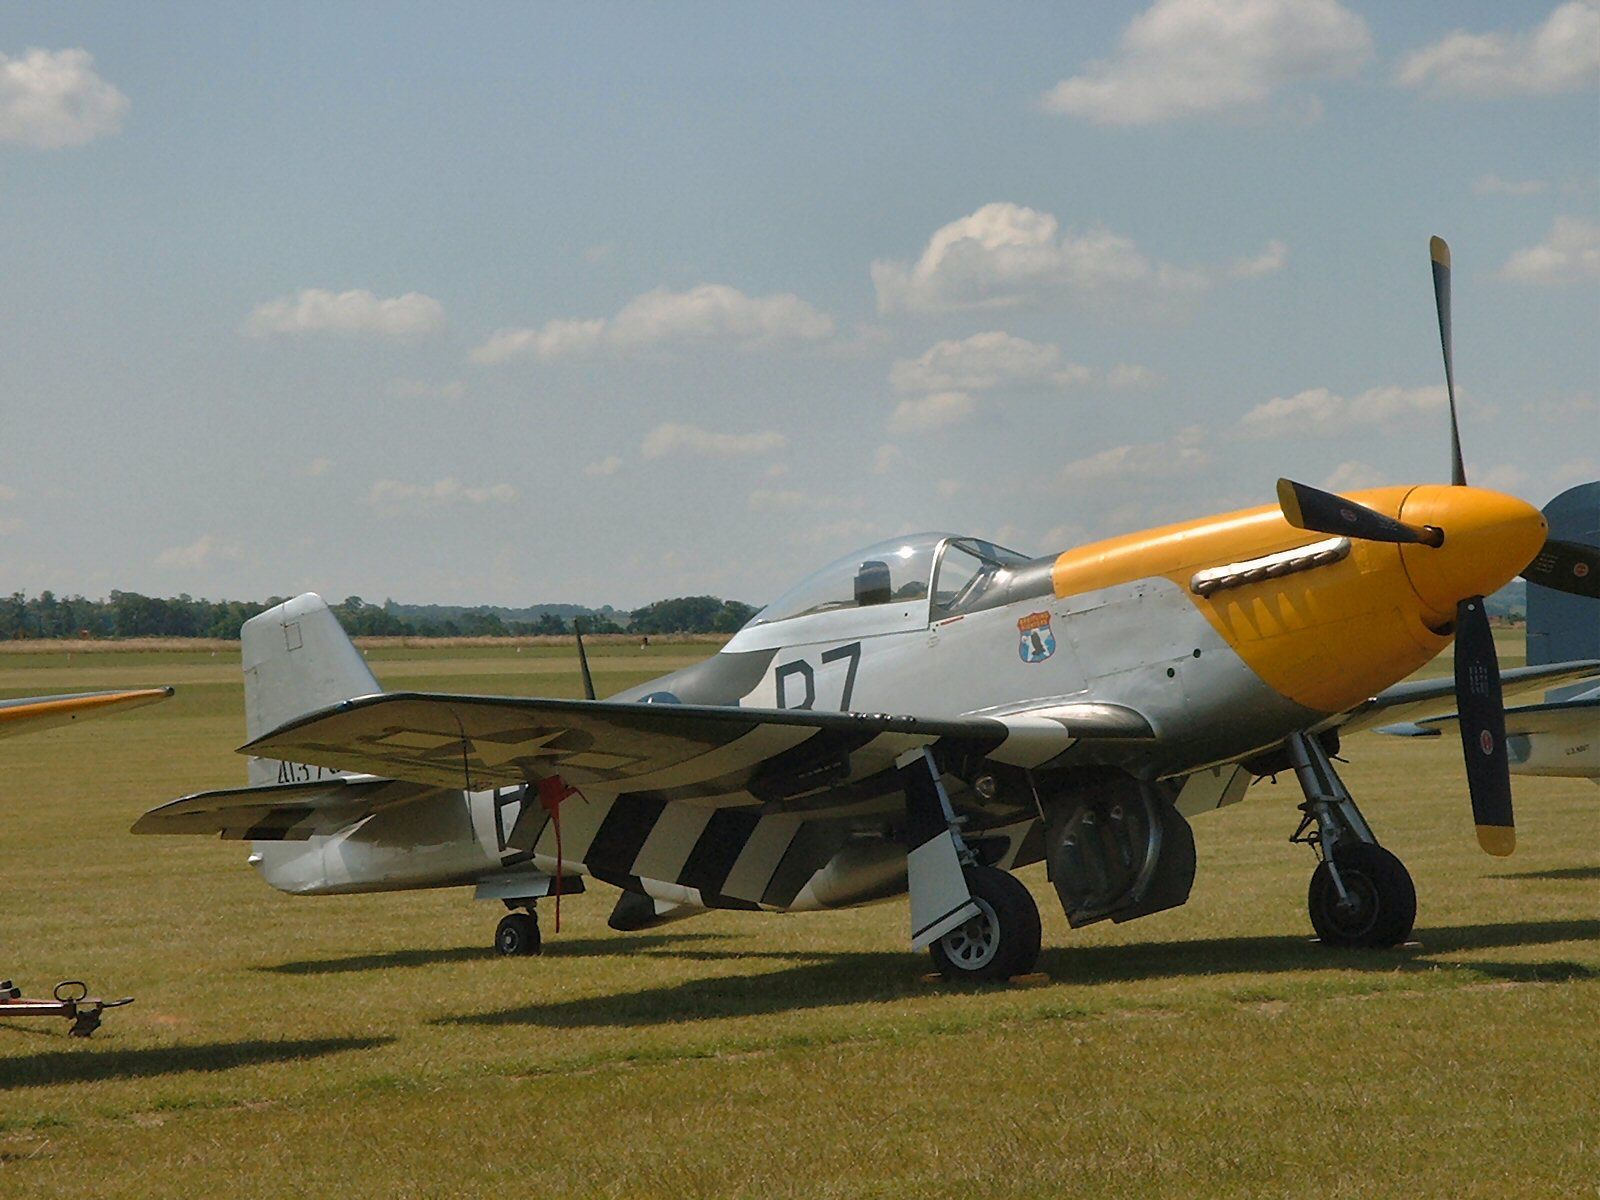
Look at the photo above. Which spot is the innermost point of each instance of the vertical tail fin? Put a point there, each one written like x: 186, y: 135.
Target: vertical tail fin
x: 1563, y: 627
x: 296, y: 659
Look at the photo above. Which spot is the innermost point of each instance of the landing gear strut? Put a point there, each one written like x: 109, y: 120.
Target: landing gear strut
x: 1360, y: 894
x: 518, y: 932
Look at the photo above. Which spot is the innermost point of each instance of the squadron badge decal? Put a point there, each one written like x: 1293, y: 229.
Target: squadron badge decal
x: 1037, y: 641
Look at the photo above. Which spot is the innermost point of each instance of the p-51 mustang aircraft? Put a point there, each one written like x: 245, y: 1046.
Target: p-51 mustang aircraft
x: 924, y: 716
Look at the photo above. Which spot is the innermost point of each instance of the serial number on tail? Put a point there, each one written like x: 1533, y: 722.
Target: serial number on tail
x: 292, y: 772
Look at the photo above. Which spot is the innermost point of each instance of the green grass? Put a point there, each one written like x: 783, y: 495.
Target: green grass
x: 373, y: 1046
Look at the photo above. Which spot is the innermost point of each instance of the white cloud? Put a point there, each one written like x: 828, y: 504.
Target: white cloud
x: 1318, y: 410
x: 1271, y: 260
x: 1351, y: 476
x: 1570, y: 253
x: 984, y: 361
x: 392, y: 496
x: 50, y: 99
x: 1561, y: 55
x: 1187, y: 58
x: 1128, y: 376
x: 204, y: 549
x: 421, y: 389
x: 1493, y: 185
x: 920, y: 414
x: 885, y: 458
x: 1139, y: 461
x: 710, y: 312
x: 609, y: 465
x: 668, y: 439
x: 1004, y: 254
x: 317, y: 310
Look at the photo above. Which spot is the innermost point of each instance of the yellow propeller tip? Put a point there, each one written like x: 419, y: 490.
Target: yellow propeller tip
x: 1440, y: 251
x: 1498, y: 840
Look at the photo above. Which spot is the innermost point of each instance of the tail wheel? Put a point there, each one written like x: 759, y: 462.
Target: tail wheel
x: 1002, y: 940
x: 517, y: 934
x: 1380, y: 903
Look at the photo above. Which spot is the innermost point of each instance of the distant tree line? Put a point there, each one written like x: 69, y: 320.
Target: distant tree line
x: 128, y: 614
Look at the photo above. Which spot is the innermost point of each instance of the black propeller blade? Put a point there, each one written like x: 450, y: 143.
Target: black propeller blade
x: 1483, y: 728
x: 1441, y: 301
x: 1323, y: 512
x: 1566, y: 567
x: 1479, y: 699
x: 583, y: 661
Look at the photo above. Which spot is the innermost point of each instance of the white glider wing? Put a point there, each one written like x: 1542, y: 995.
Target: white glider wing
x: 28, y: 713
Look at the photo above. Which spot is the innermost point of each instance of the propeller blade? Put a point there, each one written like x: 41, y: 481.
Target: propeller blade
x: 1483, y: 728
x: 1441, y: 301
x: 1570, y: 567
x: 1323, y: 512
x: 583, y: 661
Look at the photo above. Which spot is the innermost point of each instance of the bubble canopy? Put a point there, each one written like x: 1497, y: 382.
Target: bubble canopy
x: 888, y: 572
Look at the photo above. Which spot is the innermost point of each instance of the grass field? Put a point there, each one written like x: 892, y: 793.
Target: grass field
x: 374, y: 1046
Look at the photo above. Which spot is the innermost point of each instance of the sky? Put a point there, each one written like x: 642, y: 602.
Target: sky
x: 515, y: 304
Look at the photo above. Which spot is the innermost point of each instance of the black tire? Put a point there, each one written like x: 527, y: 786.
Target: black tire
x: 517, y: 934
x: 1383, y: 900
x: 1002, y: 941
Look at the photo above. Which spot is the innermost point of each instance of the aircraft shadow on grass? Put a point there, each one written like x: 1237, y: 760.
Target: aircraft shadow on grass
x: 825, y: 980
x: 1559, y: 874
x: 600, y: 947
x: 98, y: 1064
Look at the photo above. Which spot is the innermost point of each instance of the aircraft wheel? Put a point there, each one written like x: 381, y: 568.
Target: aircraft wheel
x: 517, y: 933
x: 1001, y: 941
x: 1381, y: 904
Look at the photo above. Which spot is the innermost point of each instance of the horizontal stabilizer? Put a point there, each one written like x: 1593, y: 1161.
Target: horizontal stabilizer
x: 279, y: 811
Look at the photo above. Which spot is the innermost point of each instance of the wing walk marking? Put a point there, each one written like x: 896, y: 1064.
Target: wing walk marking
x: 752, y: 871
x: 738, y: 755
x: 670, y: 842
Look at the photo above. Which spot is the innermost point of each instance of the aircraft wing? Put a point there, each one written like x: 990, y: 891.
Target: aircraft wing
x: 28, y: 713
x: 276, y: 812
x: 1577, y: 715
x: 674, y: 751
x: 1418, y: 698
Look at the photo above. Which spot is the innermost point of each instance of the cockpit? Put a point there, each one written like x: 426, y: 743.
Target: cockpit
x: 940, y: 575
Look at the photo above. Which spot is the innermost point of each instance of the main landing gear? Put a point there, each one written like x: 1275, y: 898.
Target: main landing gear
x: 977, y: 921
x: 518, y: 932
x: 1001, y: 940
x: 1360, y: 894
